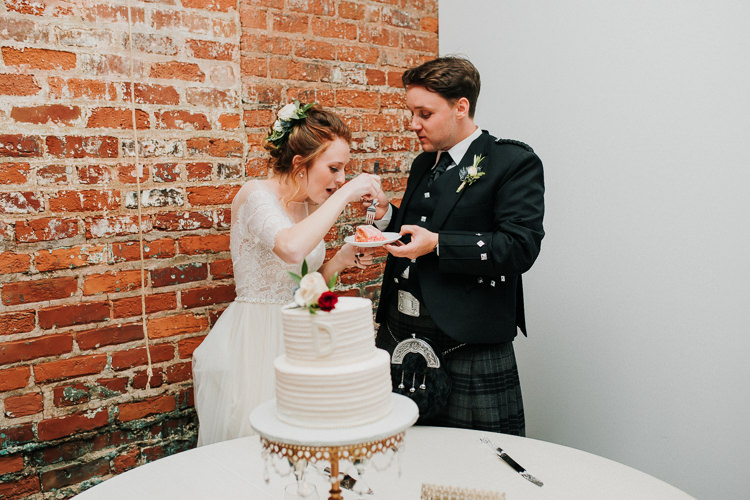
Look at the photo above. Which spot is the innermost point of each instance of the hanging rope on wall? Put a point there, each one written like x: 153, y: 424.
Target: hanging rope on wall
x: 138, y: 175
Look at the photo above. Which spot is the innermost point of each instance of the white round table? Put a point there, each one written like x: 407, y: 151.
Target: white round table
x: 433, y: 455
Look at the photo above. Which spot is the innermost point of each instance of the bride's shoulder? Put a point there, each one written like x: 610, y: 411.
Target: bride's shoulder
x: 258, y: 185
x: 255, y: 190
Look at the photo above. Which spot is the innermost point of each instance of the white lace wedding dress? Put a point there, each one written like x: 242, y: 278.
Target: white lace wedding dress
x: 233, y: 367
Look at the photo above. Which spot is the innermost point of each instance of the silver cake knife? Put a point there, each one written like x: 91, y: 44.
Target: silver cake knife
x: 508, y: 460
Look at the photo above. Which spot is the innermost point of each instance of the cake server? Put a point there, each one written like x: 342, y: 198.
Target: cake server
x: 508, y: 460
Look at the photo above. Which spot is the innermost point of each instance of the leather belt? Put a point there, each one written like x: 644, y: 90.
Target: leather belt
x: 414, y: 335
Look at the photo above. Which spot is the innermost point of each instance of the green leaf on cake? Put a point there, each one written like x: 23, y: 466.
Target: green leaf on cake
x: 332, y: 281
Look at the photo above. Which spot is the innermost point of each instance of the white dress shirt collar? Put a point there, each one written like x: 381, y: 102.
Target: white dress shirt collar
x: 458, y: 151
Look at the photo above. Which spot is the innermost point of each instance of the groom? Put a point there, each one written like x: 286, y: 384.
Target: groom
x: 471, y: 217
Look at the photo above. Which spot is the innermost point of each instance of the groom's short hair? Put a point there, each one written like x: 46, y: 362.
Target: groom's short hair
x: 452, y: 77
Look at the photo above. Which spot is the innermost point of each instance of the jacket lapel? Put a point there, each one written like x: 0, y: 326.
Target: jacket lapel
x: 418, y: 170
x: 451, y: 196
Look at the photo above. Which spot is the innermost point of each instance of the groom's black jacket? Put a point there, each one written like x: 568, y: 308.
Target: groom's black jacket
x: 489, y: 234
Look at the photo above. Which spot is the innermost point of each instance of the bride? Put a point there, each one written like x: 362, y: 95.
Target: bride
x: 276, y: 224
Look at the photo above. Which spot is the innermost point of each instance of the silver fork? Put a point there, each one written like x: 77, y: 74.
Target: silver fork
x: 506, y: 458
x: 370, y: 214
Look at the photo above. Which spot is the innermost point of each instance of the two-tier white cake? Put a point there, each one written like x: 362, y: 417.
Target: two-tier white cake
x: 332, y: 375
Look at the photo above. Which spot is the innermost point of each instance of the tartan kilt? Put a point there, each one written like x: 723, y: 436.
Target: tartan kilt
x: 486, y: 389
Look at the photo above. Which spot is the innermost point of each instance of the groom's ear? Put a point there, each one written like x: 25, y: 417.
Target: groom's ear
x: 462, y: 107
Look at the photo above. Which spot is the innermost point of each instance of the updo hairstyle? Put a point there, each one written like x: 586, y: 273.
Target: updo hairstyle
x: 308, y: 138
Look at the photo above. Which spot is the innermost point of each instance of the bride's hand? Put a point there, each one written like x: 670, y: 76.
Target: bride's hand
x: 364, y: 185
x: 353, y: 256
x: 382, y: 207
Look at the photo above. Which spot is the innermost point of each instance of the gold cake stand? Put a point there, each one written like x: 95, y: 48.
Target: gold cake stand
x: 302, y: 445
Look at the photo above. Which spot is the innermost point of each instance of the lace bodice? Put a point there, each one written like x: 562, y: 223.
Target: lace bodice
x: 260, y: 275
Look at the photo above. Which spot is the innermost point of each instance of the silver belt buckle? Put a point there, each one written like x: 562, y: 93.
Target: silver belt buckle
x: 408, y: 304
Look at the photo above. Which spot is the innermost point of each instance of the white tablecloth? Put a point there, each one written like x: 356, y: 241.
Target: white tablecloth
x: 436, y: 455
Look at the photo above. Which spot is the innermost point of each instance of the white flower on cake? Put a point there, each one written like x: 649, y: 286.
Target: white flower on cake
x: 311, y: 286
x: 313, y: 292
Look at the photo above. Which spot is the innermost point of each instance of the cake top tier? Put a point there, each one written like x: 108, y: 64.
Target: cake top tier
x: 343, y: 335
x: 344, y: 304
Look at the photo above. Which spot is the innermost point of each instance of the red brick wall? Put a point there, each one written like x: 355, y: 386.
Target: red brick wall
x: 75, y: 406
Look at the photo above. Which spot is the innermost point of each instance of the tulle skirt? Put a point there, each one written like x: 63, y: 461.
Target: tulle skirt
x: 233, y: 369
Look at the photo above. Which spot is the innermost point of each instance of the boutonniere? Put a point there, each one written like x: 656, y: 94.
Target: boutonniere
x: 469, y: 175
x: 313, y: 292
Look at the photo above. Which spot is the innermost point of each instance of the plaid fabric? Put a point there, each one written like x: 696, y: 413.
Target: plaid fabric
x: 486, y: 392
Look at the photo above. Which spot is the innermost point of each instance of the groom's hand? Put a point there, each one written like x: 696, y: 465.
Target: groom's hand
x: 422, y: 242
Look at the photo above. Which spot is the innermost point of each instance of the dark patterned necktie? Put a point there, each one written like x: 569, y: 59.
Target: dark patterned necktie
x: 442, y: 164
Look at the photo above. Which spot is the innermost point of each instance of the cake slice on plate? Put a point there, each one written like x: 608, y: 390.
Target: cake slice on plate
x: 367, y: 234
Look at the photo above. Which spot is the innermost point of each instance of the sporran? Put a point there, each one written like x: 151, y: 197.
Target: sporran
x: 418, y: 372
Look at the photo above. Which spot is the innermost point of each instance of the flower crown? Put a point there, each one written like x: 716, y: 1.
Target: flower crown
x: 285, y: 120
x: 313, y: 291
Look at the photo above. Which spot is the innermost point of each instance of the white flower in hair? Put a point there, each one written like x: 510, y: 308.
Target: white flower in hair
x: 286, y: 117
x: 288, y: 112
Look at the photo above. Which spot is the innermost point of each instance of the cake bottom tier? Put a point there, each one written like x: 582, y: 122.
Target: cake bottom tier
x: 334, y: 396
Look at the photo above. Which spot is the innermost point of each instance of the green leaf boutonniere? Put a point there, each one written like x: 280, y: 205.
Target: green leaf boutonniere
x: 469, y: 175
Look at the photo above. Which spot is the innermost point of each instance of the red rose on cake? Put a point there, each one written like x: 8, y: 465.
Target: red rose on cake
x: 366, y: 234
x: 327, y: 301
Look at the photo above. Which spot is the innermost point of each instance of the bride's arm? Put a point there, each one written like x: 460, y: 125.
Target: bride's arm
x: 294, y: 243
x: 347, y: 256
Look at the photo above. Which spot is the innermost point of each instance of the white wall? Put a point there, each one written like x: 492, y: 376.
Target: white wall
x: 638, y: 305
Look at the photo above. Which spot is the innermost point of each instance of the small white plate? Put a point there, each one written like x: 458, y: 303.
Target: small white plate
x: 389, y: 238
